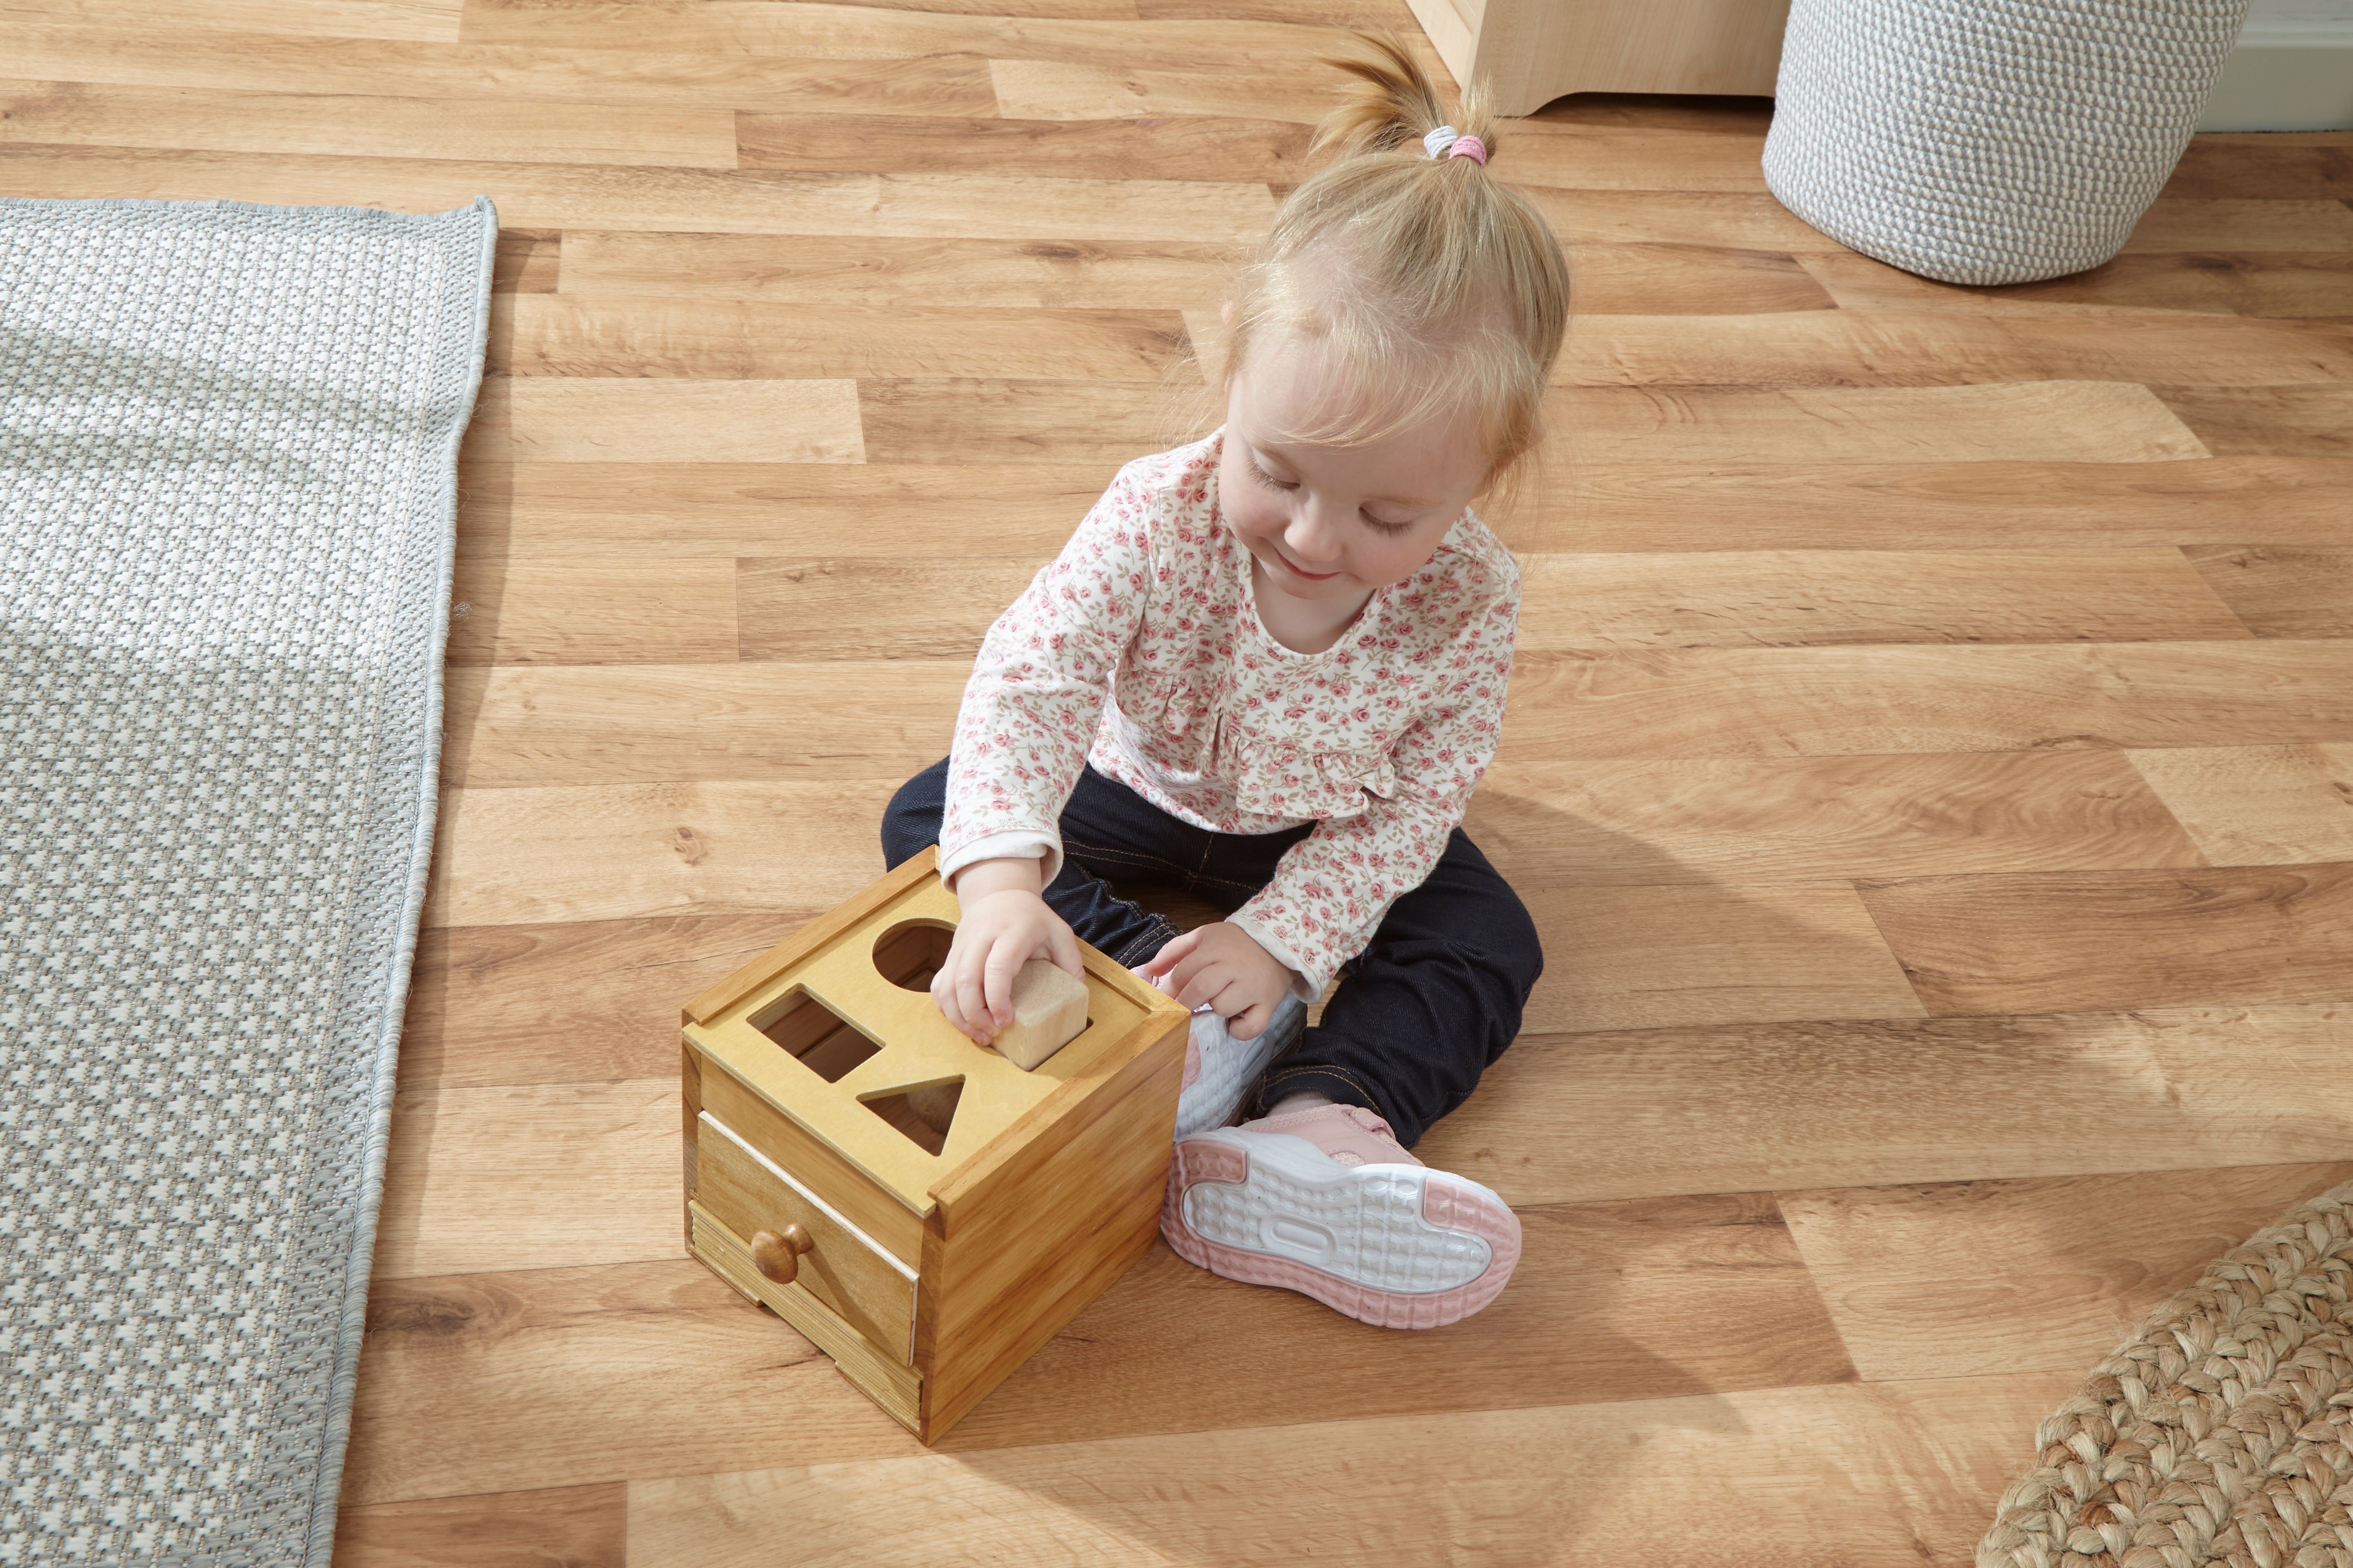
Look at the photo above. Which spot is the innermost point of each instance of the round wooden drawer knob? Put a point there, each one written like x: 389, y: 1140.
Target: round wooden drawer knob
x: 777, y: 1254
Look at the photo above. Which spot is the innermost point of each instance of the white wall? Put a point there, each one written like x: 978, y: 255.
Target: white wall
x: 2291, y: 70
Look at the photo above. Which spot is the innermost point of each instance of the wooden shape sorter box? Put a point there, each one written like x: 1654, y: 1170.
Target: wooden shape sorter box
x: 925, y: 1210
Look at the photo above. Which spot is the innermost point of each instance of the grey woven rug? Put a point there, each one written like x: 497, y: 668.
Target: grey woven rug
x: 227, y: 444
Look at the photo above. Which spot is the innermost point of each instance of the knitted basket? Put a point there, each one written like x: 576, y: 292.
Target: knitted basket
x: 1988, y: 141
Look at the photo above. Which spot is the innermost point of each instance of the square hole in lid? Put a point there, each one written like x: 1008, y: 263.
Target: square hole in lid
x: 827, y: 1044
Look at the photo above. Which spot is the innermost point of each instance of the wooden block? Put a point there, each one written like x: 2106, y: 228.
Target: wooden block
x: 1050, y: 1008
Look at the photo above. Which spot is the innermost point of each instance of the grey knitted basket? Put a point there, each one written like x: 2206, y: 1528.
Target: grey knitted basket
x: 1988, y: 141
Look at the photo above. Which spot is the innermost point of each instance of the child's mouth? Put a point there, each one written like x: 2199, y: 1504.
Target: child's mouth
x: 1302, y: 572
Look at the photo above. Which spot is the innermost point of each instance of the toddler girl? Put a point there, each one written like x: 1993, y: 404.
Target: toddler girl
x: 1268, y: 670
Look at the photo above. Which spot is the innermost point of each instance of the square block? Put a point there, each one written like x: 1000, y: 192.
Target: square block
x: 924, y: 1209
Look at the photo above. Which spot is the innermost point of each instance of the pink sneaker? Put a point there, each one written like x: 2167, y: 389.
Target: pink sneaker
x: 1327, y: 1203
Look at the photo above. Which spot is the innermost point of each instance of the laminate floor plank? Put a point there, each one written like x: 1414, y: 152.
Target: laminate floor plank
x: 651, y: 512
x: 561, y: 1527
x: 1694, y: 953
x: 529, y: 1379
x: 1670, y: 1296
x: 1740, y: 599
x: 664, y: 419
x: 2241, y: 224
x: 2311, y: 285
x: 600, y: 852
x: 425, y: 21
x: 2281, y: 421
x: 997, y: 420
x: 2281, y: 593
x: 211, y: 120
x: 815, y: 31
x: 2032, y: 941
x: 1690, y: 280
x: 2049, y: 421
x: 1730, y: 1108
x: 1079, y: 90
x: 1790, y: 1470
x: 572, y: 725
x: 753, y: 201
x: 878, y: 271
x: 591, y: 613
x: 1581, y: 216
x: 1989, y: 1278
x: 1896, y: 696
x: 864, y: 608
x: 2277, y: 164
x: 576, y: 1002
x: 1650, y: 822
x: 647, y: 336
x: 190, y: 54
x: 1678, y: 505
x: 2223, y: 362
x: 2257, y: 805
x: 531, y: 1177
x: 529, y: 261
x: 1186, y: 149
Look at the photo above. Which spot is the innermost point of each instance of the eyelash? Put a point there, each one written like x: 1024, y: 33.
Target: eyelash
x: 1378, y: 526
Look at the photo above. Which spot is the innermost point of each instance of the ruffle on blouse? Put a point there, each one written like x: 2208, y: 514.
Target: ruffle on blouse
x: 1182, y: 731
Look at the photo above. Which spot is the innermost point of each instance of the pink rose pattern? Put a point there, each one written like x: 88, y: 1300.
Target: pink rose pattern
x: 1139, y: 649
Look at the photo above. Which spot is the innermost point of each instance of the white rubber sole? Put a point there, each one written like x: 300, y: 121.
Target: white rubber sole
x: 1400, y: 1245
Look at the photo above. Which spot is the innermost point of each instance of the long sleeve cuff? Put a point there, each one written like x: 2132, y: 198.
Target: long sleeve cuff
x: 1306, y: 984
x: 1027, y: 843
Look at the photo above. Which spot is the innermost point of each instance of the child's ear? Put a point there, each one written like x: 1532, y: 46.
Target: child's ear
x: 1226, y: 314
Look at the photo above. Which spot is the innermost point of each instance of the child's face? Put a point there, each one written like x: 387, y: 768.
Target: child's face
x: 1330, y: 523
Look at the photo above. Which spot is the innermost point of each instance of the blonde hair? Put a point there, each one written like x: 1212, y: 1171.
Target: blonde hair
x: 1429, y: 284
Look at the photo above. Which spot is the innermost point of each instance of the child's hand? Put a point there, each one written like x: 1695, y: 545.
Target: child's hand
x: 1223, y: 965
x: 1005, y: 924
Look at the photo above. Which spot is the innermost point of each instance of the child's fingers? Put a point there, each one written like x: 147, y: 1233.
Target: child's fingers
x: 1252, y: 1023
x: 1161, y: 963
x: 1064, y: 949
x: 972, y: 994
x: 1006, y: 958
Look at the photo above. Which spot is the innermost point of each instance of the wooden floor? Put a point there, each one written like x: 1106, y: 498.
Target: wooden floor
x: 1929, y: 760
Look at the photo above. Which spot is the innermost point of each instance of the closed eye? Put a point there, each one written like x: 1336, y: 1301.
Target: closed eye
x: 1269, y: 480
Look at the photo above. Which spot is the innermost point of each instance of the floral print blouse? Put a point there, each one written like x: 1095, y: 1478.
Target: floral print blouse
x: 1139, y: 649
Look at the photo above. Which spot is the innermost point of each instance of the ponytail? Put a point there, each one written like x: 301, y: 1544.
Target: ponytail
x: 1431, y: 286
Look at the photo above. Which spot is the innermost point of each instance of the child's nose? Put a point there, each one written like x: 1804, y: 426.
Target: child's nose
x: 1313, y: 536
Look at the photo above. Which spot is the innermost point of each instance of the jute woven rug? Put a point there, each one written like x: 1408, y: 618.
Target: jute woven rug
x: 228, y: 447
x: 2222, y: 1433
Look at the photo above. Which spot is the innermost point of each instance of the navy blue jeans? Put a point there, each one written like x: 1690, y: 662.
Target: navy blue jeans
x: 1418, y: 1014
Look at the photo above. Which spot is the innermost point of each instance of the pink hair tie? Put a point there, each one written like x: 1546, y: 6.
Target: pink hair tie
x: 1446, y: 142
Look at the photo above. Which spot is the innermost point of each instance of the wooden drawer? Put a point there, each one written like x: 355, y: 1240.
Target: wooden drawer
x: 868, y: 1288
